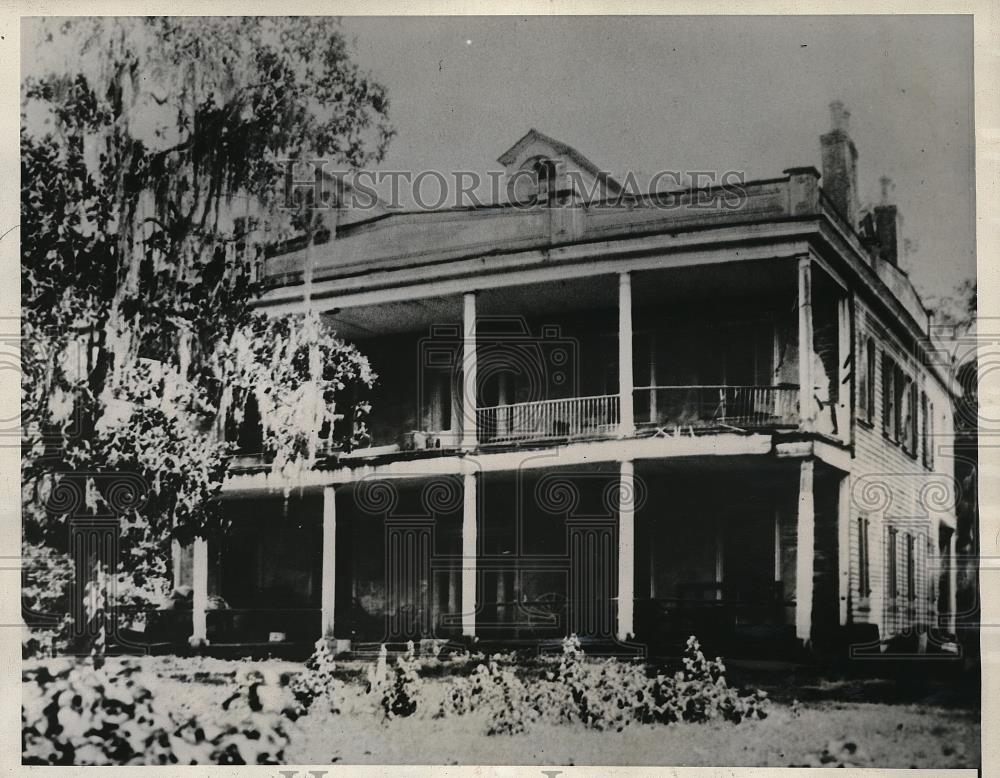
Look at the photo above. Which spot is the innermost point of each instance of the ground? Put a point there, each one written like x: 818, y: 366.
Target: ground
x: 811, y: 722
x: 829, y: 716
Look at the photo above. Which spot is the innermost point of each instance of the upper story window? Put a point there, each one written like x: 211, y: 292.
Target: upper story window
x: 924, y: 428
x: 888, y: 396
x: 929, y: 438
x: 899, y: 406
x: 908, y: 416
x: 866, y: 385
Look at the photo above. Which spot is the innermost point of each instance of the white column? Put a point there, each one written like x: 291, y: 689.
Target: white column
x: 626, y: 552
x: 844, y: 546
x: 469, y: 549
x: 806, y: 379
x: 848, y: 370
x: 199, y: 585
x: 625, y: 381
x: 329, y: 580
x: 176, y: 557
x: 469, y: 437
x: 805, y: 552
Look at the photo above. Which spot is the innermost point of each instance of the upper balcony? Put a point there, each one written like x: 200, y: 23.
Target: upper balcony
x: 688, y: 351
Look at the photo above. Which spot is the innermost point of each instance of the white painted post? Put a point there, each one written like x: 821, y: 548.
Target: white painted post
x: 469, y: 549
x: 199, y: 585
x: 176, y: 557
x: 329, y: 579
x: 469, y: 400
x: 843, y: 546
x: 625, y: 381
x: 805, y: 552
x: 848, y: 370
x: 806, y: 387
x: 626, y: 552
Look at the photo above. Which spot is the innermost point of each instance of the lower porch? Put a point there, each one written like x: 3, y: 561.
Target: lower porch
x: 640, y: 553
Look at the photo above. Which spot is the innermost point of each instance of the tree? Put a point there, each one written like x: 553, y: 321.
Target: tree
x: 150, y: 190
x: 957, y: 309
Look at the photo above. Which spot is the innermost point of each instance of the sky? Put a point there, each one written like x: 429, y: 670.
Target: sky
x: 644, y: 94
x: 690, y: 93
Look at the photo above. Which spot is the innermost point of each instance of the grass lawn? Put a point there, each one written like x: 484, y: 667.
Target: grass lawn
x: 831, y: 725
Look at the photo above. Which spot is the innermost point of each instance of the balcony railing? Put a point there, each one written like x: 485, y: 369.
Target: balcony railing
x: 743, y: 407
x: 565, y: 418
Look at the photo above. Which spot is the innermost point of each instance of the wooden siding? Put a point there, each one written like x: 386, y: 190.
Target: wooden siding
x: 896, y: 490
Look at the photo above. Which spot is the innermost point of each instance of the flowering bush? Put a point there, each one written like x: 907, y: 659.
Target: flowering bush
x: 84, y: 715
x: 396, y: 688
x: 700, y: 691
x: 603, y: 695
x: 607, y: 694
x: 317, y: 680
x: 493, y: 686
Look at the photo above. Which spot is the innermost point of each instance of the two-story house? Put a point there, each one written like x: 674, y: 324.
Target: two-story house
x: 714, y: 411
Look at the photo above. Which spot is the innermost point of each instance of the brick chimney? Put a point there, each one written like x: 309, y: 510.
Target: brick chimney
x: 886, y: 225
x: 840, y: 161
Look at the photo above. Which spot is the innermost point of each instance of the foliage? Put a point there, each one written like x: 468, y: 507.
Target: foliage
x: 958, y: 308
x: 295, y: 370
x: 395, y: 688
x: 45, y: 591
x: 151, y: 165
x: 701, y: 693
x: 607, y: 694
x: 317, y: 680
x: 83, y: 715
x: 494, y: 687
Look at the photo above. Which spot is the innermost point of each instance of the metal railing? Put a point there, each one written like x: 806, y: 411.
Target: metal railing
x: 744, y: 407
x: 569, y: 417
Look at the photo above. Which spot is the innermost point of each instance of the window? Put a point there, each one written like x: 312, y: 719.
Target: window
x: 893, y: 573
x: 924, y: 429
x: 866, y: 384
x: 898, y: 406
x: 930, y: 436
x: 911, y: 569
x: 888, y: 395
x: 908, y: 415
x: 864, y: 574
x: 870, y: 381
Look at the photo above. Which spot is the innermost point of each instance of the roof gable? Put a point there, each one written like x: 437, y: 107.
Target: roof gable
x: 534, y: 143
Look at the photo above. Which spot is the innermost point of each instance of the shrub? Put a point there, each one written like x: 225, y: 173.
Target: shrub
x: 611, y: 694
x: 84, y: 715
x: 494, y: 688
x: 701, y: 692
x: 316, y: 681
x: 603, y: 695
x: 397, y: 689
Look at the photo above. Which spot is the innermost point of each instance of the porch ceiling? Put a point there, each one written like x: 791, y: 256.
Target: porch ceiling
x: 723, y: 280
x: 650, y: 288
x: 580, y: 294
